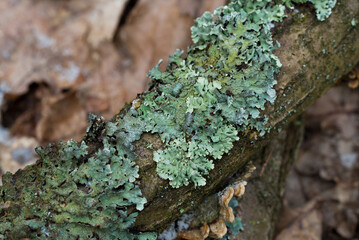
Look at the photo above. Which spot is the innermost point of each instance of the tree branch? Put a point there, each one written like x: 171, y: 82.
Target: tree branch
x: 314, y: 56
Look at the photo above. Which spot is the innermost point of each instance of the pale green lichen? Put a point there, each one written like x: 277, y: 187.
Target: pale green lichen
x: 197, y: 106
x: 79, y: 197
x: 225, y: 81
x: 323, y: 8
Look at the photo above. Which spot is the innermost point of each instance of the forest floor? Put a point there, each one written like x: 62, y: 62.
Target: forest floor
x: 322, y: 190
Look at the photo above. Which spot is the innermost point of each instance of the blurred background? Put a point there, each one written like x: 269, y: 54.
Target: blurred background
x: 62, y: 59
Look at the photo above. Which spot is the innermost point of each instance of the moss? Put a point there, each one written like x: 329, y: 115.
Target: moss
x: 197, y: 106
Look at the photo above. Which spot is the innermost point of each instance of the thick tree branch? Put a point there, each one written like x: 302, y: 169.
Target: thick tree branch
x: 314, y: 56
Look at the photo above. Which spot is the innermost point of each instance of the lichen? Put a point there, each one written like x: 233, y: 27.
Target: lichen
x: 323, y: 8
x: 204, y: 100
x: 219, y: 89
x: 197, y: 107
x: 79, y: 197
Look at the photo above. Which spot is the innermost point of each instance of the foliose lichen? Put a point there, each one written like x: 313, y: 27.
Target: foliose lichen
x: 79, y: 197
x: 197, y: 107
x: 204, y: 100
x: 323, y: 8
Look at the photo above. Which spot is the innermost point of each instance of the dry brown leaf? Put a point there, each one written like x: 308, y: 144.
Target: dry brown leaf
x: 307, y: 227
x: 328, y: 165
x: 59, y: 45
x: 16, y: 152
x: 347, y: 224
x: 48, y: 40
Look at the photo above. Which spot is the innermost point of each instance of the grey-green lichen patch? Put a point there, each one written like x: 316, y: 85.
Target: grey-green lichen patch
x: 219, y: 89
x: 323, y: 8
x: 79, y: 196
x: 203, y: 101
x: 197, y: 106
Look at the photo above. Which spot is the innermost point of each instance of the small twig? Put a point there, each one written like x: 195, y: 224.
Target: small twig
x: 265, y: 163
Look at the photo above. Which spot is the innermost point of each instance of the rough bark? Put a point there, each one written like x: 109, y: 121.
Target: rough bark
x: 260, y: 206
x: 314, y: 56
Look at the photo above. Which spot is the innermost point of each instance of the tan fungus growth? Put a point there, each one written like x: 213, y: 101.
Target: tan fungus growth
x: 354, y: 74
x: 226, y: 212
x: 353, y: 84
x: 354, y: 78
x: 196, y: 234
x: 239, y: 188
x: 218, y: 228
